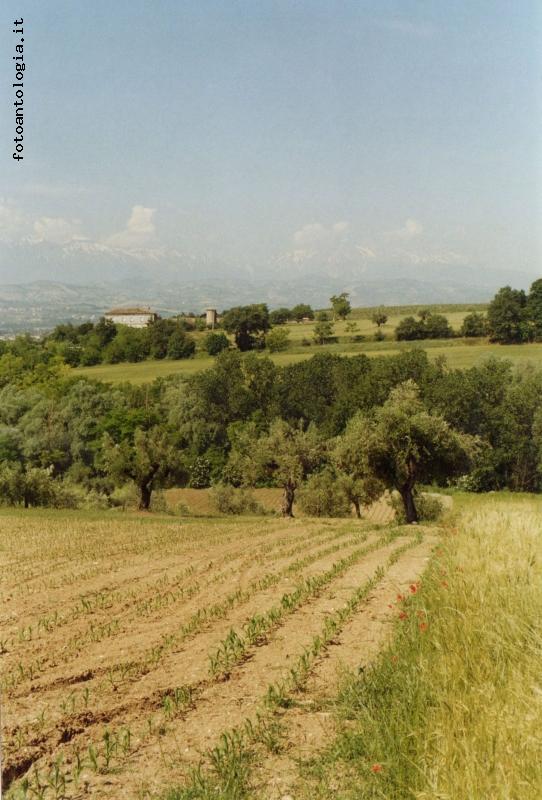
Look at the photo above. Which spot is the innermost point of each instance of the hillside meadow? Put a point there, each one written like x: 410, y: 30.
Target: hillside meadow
x: 459, y: 353
x: 161, y: 657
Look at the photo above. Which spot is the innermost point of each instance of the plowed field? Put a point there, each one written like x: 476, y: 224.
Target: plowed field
x: 130, y: 644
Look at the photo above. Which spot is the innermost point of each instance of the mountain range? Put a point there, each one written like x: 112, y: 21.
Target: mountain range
x: 81, y: 283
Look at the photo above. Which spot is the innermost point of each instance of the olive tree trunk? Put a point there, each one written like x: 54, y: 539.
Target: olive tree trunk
x: 145, y: 494
x: 407, y: 494
x: 288, y: 500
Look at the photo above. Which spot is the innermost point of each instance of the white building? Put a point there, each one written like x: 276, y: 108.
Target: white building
x: 133, y: 317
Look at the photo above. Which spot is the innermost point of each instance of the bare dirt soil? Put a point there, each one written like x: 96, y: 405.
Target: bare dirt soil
x: 199, y: 501
x: 130, y: 643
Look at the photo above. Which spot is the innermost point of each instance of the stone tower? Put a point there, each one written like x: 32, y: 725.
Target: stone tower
x: 211, y: 317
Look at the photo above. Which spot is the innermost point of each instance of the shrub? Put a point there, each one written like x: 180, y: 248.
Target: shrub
x: 159, y: 503
x: 322, y: 496
x: 474, y: 325
x: 124, y: 497
x: 36, y: 487
x: 429, y: 326
x: 228, y: 500
x: 74, y: 495
x: 180, y: 345
x: 409, y: 329
x: 90, y: 356
x: 323, y: 330
x: 436, y: 326
x: 200, y: 473
x: 70, y: 353
x: 215, y: 343
x: 429, y: 507
x: 130, y: 344
x: 278, y: 340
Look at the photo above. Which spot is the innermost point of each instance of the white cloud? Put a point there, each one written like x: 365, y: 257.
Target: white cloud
x: 56, y: 230
x: 366, y: 252
x: 139, y: 230
x: 431, y: 256
x: 13, y: 222
x: 410, y: 229
x: 316, y: 234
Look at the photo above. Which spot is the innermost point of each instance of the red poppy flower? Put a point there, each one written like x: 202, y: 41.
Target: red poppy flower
x: 423, y: 626
x: 376, y: 768
x: 403, y: 615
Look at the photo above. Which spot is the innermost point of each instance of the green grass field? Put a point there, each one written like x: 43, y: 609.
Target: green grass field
x: 452, y: 709
x: 459, y: 353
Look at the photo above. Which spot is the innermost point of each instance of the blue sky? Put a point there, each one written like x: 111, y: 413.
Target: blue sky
x: 276, y: 133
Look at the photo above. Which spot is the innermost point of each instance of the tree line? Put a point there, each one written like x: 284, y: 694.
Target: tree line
x: 360, y: 424
x: 513, y: 317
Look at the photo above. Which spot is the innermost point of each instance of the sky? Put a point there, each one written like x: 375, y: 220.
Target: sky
x: 275, y: 135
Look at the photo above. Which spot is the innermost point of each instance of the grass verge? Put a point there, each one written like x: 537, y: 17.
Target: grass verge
x: 453, y: 708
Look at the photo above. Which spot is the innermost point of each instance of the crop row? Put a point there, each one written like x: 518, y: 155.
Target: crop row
x: 198, y: 621
x: 100, y: 562
x: 228, y: 761
x: 233, y: 649
x: 116, y: 745
x: 201, y: 618
x: 92, y: 602
x: 96, y: 632
x: 289, y: 603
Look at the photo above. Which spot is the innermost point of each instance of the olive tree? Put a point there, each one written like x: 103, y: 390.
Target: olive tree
x: 355, y: 478
x: 288, y: 454
x: 406, y: 444
x: 379, y: 317
x: 147, y: 459
x: 278, y: 340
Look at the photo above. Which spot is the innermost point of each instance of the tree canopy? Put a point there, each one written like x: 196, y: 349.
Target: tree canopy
x: 407, y: 444
x: 340, y: 305
x: 507, y: 316
x: 248, y: 325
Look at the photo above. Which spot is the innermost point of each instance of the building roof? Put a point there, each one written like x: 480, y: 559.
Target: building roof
x: 131, y: 311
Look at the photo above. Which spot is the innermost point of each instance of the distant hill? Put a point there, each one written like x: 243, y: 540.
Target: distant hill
x: 39, y: 305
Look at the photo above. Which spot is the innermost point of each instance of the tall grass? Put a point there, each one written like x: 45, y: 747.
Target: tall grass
x: 453, y: 709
